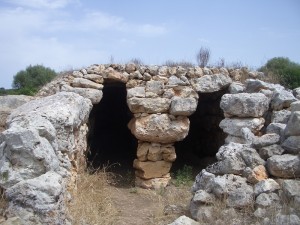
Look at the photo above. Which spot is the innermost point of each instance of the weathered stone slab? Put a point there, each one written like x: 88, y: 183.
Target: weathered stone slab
x: 244, y: 104
x: 284, y: 166
x: 159, y: 128
x: 183, y: 106
x: 148, y: 169
x: 85, y: 83
x: 93, y: 94
x: 293, y: 125
x: 211, y: 83
x: 149, y: 105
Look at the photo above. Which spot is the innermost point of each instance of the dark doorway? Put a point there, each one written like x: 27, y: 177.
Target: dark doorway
x: 110, y: 142
x: 205, y: 137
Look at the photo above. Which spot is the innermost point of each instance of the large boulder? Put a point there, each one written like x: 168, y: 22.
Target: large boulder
x: 159, y: 128
x: 284, y: 166
x: 233, y: 126
x: 38, y: 152
x: 234, y: 158
x: 211, y: 83
x: 244, y: 104
x: 282, y: 99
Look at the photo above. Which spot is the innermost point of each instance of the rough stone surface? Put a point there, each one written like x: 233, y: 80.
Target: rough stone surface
x: 244, y: 104
x: 233, y: 126
x: 159, y: 128
x: 284, y: 166
x: 93, y: 94
x: 234, y: 158
x: 293, y: 125
x: 148, y: 105
x: 295, y: 106
x: 282, y: 99
x: 256, y: 174
x: 292, y: 145
x: 183, y: 106
x: 266, y: 200
x: 211, y: 83
x: 184, y: 220
x: 291, y: 192
x: 266, y: 186
x: 9, y: 103
x: 281, y: 116
x: 155, y: 183
x: 85, y: 83
x: 38, y: 155
x: 253, y: 86
x: 296, y: 93
x: 268, y: 151
x: 148, y: 170
x: 236, y: 87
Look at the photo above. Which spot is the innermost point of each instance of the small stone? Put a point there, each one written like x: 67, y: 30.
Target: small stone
x: 149, y: 170
x: 293, y: 125
x: 285, y: 166
x: 268, y: 151
x: 183, y: 106
x: 281, y: 116
x: 292, y: 145
x: 266, y: 186
x: 267, y: 200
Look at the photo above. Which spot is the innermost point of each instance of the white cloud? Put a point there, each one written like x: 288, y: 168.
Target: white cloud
x: 151, y: 30
x: 43, y: 4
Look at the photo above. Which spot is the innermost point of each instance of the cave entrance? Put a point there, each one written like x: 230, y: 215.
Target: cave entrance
x: 110, y: 142
x: 205, y: 137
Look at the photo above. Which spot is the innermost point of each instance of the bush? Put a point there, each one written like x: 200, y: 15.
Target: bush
x: 184, y: 176
x: 183, y: 63
x: 287, y: 72
x: 29, y: 81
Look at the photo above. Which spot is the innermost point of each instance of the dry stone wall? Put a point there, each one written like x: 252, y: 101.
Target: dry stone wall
x: 44, y: 145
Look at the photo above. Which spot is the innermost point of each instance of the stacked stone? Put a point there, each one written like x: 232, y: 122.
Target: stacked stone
x: 260, y: 158
x: 161, y: 99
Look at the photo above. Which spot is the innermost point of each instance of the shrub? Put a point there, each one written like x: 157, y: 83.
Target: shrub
x: 287, y: 72
x: 183, y: 63
x: 29, y: 81
x: 184, y: 176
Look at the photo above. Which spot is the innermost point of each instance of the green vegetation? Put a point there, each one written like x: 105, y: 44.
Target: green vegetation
x: 286, y: 71
x: 184, y: 176
x: 29, y: 81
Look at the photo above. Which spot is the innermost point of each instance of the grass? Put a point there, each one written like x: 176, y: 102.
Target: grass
x: 92, y: 203
x: 3, y: 203
x: 184, y: 176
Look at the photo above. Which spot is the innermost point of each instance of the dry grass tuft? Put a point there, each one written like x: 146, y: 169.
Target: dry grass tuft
x: 3, y: 203
x: 91, y: 203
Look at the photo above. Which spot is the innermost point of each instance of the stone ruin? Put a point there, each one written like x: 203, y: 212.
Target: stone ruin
x: 251, y: 128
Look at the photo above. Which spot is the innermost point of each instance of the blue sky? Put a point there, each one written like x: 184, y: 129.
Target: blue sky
x: 70, y: 34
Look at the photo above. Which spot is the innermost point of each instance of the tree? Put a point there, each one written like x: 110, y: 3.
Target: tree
x: 286, y: 71
x: 203, y: 56
x: 29, y: 81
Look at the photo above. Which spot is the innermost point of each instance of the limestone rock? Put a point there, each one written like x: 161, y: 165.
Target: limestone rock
x: 255, y: 85
x: 234, y: 158
x: 296, y: 93
x: 183, y: 106
x: 244, y: 104
x: 277, y: 128
x: 138, y: 92
x: 93, y: 94
x: 291, y: 192
x: 292, y: 145
x: 211, y: 83
x: 266, y: 186
x: 201, y: 196
x: 285, y: 166
x: 233, y: 126
x: 175, y: 81
x: 168, y: 153
x: 283, y: 219
x: 154, y: 183
x: 282, y: 99
x: 154, y: 87
x: 184, y: 220
x: 10, y: 102
x: 266, y: 140
x: 148, y: 169
x: 236, y: 87
x: 95, y: 78
x: 268, y: 151
x: 238, y: 193
x: 295, y: 106
x: 42, y: 195
x: 142, y: 151
x: 85, y: 83
x: 148, y: 105
x: 293, y: 125
x: 281, y: 116
x: 159, y: 128
x: 256, y: 174
x: 267, y: 200
x: 154, y: 153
